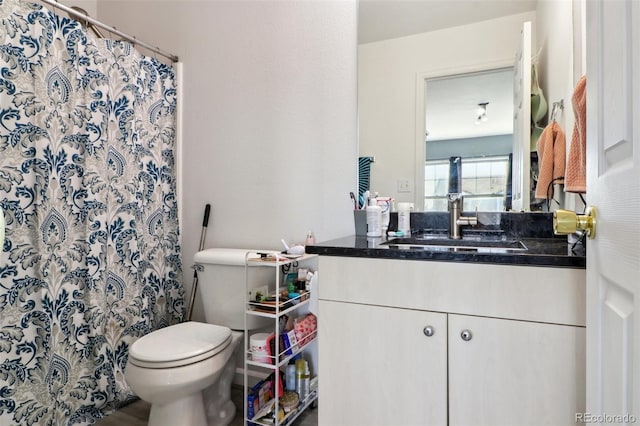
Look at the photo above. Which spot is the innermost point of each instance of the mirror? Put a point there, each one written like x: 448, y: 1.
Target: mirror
x: 469, y: 116
x: 404, y: 49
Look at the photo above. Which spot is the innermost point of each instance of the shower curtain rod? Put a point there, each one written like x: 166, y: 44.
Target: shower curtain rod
x: 111, y: 29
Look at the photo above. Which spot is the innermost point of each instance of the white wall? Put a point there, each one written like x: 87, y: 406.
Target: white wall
x: 554, y: 29
x: 387, y: 88
x: 269, y: 115
x: 557, y: 76
x: 90, y: 6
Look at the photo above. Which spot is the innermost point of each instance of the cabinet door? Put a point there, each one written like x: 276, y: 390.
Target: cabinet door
x: 515, y: 372
x: 378, y: 366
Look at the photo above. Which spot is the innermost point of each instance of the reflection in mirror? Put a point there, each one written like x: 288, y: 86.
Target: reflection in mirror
x: 469, y: 116
x: 403, y: 44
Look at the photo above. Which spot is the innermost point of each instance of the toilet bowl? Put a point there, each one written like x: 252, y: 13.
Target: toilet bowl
x: 171, y: 367
x: 186, y: 370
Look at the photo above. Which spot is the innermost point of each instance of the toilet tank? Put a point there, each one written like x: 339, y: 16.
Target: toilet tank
x: 222, y: 286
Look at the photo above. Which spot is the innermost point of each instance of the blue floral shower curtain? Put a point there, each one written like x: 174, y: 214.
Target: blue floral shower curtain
x: 91, y: 260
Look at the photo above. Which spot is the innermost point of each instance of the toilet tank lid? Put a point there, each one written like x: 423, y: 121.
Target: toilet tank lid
x: 224, y: 256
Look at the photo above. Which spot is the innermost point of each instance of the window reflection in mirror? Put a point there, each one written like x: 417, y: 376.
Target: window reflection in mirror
x: 485, y: 182
x: 471, y: 116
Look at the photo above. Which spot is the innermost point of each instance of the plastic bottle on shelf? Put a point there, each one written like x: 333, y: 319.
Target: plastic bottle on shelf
x: 306, y: 378
x: 374, y: 219
x: 299, y: 376
x: 290, y: 377
x: 310, y: 239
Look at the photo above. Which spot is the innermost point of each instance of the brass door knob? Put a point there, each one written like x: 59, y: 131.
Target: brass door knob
x: 568, y: 222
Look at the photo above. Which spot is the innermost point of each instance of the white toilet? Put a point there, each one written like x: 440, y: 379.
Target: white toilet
x: 186, y: 370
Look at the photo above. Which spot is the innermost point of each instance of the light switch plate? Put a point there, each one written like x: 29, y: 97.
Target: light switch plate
x: 404, y: 185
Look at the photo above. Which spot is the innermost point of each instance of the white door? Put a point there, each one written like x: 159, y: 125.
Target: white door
x: 385, y: 370
x: 613, y: 187
x: 521, y: 158
x: 506, y: 372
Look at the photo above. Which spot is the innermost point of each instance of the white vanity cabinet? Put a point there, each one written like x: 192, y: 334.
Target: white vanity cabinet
x: 377, y: 355
x: 506, y: 372
x: 437, y: 343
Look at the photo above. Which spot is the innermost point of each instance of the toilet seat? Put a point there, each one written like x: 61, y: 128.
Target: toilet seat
x: 178, y: 345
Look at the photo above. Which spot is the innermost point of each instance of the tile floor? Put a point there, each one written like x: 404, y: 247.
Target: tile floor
x: 137, y: 413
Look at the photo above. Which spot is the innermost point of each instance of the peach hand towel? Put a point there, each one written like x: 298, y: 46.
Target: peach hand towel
x: 551, y: 148
x: 576, y: 179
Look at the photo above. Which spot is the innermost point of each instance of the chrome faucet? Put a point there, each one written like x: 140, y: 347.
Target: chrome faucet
x: 456, y: 220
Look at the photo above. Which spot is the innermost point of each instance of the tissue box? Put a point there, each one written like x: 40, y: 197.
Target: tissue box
x: 305, y: 329
x: 289, y: 342
x: 253, y: 404
x: 258, y: 396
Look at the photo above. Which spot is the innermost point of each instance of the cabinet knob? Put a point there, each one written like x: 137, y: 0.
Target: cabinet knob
x: 428, y: 331
x: 466, y: 335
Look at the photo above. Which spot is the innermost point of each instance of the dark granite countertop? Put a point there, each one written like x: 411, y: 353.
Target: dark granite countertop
x: 534, y: 230
x: 540, y: 252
